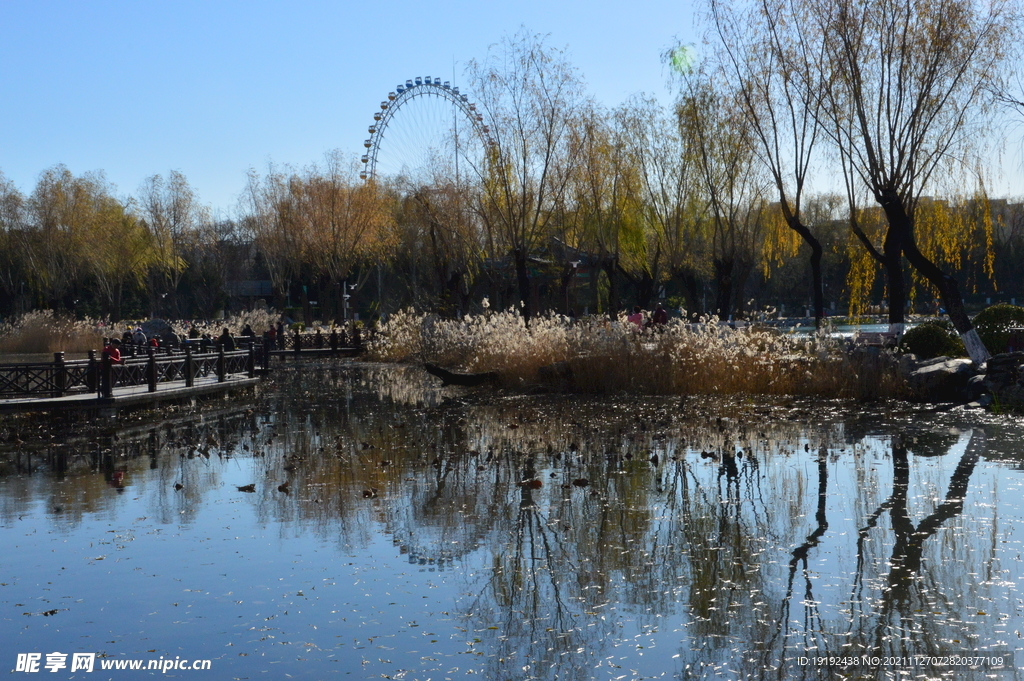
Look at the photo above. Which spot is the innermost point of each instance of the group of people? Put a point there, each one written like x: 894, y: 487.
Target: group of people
x: 138, y: 338
x: 658, y: 318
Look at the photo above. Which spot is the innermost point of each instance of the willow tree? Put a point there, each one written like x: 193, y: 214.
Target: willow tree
x: 118, y: 252
x: 908, y: 81
x: 174, y: 216
x: 58, y: 214
x: 349, y: 221
x: 529, y: 94
x: 769, y: 55
x: 273, y: 222
x: 12, y: 260
x: 733, y: 182
x: 601, y: 201
x: 450, y: 241
x: 669, y: 192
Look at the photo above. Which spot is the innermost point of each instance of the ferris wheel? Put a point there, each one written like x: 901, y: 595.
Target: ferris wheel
x: 439, y: 127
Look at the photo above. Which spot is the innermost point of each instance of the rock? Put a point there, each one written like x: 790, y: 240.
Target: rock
x: 155, y: 327
x: 559, y: 371
x: 975, y: 387
x: 980, y: 403
x: 1003, y: 378
x: 941, y: 379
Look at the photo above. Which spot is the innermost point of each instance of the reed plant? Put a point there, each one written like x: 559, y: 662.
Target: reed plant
x: 259, y: 320
x: 601, y: 355
x: 44, y: 331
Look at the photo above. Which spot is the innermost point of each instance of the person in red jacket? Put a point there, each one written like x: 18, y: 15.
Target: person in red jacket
x: 113, y: 351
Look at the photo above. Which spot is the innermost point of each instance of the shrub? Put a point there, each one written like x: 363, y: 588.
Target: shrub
x: 933, y: 339
x: 993, y: 325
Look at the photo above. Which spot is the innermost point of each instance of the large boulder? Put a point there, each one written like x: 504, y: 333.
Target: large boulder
x: 155, y: 327
x: 1004, y: 378
x: 941, y: 379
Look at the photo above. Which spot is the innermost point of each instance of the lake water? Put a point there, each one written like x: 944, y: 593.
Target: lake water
x: 397, y: 530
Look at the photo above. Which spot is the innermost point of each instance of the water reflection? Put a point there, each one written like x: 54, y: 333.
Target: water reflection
x: 361, y: 520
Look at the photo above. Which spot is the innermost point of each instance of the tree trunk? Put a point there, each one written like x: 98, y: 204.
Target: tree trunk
x: 901, y: 229
x: 892, y: 260
x: 817, y: 287
x: 723, y: 288
x: 645, y: 290
x: 611, y: 269
x: 689, y: 280
x: 741, y: 274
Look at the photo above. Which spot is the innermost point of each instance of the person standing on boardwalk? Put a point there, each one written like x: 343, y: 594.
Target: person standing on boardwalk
x: 112, y: 351
x: 111, y: 355
x: 226, y: 341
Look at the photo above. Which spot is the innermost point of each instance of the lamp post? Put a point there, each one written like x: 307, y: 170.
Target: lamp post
x: 344, y: 298
x: 572, y: 280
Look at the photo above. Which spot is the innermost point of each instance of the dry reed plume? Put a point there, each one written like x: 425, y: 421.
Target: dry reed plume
x: 599, y: 355
x: 43, y: 331
x: 259, y: 320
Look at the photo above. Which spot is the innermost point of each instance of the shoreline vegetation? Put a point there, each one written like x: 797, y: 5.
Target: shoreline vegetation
x: 44, y: 331
x: 593, y: 354
x: 599, y: 355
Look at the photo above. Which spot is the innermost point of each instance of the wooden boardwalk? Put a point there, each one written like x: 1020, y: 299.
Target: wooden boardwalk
x: 150, y: 375
x: 147, y: 379
x: 130, y: 396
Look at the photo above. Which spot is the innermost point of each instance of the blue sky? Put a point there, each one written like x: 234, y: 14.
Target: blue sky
x: 214, y: 88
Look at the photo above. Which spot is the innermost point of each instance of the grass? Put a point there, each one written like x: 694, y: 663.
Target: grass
x: 596, y: 355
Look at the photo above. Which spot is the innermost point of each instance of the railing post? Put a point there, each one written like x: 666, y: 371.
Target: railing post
x: 334, y: 340
x: 357, y: 337
x: 268, y: 345
x: 190, y: 372
x: 60, y: 374
x: 151, y: 370
x: 221, y: 373
x: 250, y: 363
x: 92, y: 373
x: 106, y: 377
x: 298, y: 342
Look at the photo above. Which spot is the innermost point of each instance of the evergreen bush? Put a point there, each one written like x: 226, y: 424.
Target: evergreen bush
x: 933, y: 339
x: 993, y: 325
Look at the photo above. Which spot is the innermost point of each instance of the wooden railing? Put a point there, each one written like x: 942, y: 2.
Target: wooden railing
x: 338, y: 339
x: 101, y: 376
x: 152, y: 367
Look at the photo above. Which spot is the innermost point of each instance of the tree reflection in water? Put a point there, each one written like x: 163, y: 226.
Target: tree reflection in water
x: 588, y: 537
